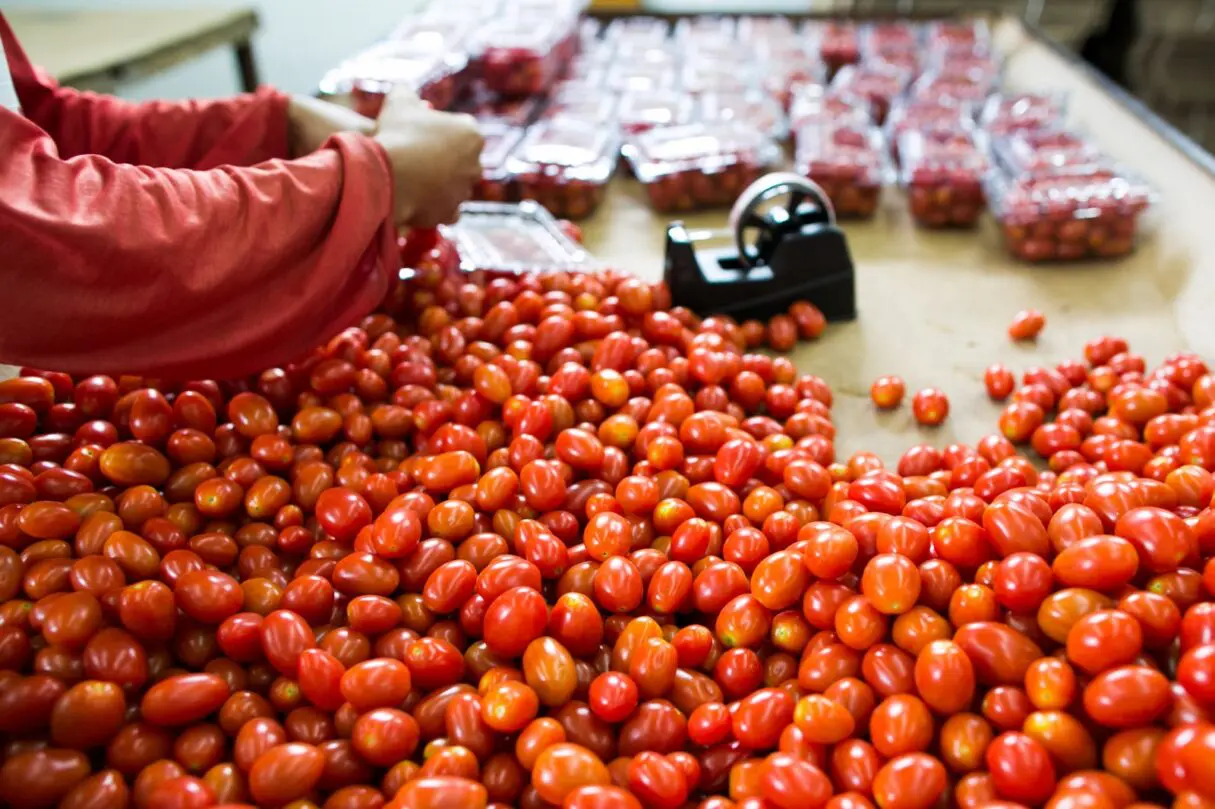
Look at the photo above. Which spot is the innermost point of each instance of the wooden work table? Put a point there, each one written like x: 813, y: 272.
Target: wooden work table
x: 934, y: 306
x: 96, y: 50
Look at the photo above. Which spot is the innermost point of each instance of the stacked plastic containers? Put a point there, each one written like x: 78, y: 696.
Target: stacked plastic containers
x: 700, y: 165
x: 564, y: 164
x: 849, y: 162
x: 1058, y: 198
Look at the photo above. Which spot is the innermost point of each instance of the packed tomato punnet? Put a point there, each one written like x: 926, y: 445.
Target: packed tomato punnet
x: 544, y: 540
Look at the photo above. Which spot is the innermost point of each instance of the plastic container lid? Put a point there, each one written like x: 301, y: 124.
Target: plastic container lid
x: 855, y: 154
x: 940, y: 115
x: 705, y: 147
x: 930, y: 158
x: 964, y: 36
x: 816, y: 104
x: 567, y: 149
x: 702, y: 75
x: 1012, y: 112
x: 424, y: 35
x: 388, y: 65
x: 754, y: 108
x: 706, y: 30
x: 642, y: 110
x: 577, y: 99
x: 761, y: 31
x: 637, y: 32
x: 521, y: 37
x: 514, y: 238
x: 959, y: 85
x: 1076, y: 195
x: 641, y: 75
x: 873, y: 80
x: 1046, y: 151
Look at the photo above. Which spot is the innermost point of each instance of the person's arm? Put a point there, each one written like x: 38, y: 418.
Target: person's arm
x: 243, y: 130
x: 186, y: 274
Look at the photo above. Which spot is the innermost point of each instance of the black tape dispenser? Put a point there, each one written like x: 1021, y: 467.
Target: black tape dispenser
x: 786, y: 248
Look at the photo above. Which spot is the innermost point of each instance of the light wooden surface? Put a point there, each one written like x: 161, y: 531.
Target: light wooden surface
x: 94, y: 50
x: 934, y: 307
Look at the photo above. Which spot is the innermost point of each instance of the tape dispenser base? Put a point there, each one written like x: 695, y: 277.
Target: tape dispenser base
x: 786, y: 247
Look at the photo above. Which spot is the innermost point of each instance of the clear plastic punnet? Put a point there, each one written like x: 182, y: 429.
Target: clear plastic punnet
x: 816, y: 104
x: 653, y: 70
x: 706, y: 31
x: 893, y: 43
x: 704, y: 75
x: 1012, y: 112
x: 514, y: 239
x: 523, y: 55
x: 958, y: 36
x: 944, y: 175
x: 367, y: 78
x: 565, y: 165
x: 643, y: 110
x: 755, y: 108
x: 849, y: 162
x: 837, y: 43
x: 880, y: 83
x: 496, y: 183
x: 573, y: 99
x: 637, y: 33
x: 759, y: 31
x: 940, y: 115
x: 785, y: 68
x: 964, y: 86
x: 701, y: 165
x: 1046, y: 151
x: 437, y: 36
x: 1069, y: 216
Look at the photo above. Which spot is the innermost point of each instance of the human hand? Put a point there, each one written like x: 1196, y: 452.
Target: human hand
x: 312, y: 121
x: 435, y: 157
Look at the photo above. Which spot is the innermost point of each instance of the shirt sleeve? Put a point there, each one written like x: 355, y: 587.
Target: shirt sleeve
x: 241, y: 131
x: 186, y: 274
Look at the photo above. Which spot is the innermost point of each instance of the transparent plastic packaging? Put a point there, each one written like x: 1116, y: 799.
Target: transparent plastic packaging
x: 706, y: 31
x: 877, y: 82
x: 958, y: 36
x: 1012, y: 112
x: 1069, y: 216
x: 848, y: 162
x: 367, y: 78
x: 565, y: 165
x: 944, y: 175
x: 837, y: 43
x: 461, y: 10
x: 964, y: 86
x: 938, y: 117
x: 786, y: 68
x: 586, y: 102
x: 643, y: 110
x: 650, y: 72
x: 754, y: 108
x: 1045, y: 151
x: 761, y: 31
x: 437, y: 36
x: 700, y: 165
x: 894, y: 43
x: 514, y: 239
x: 815, y: 104
x: 704, y: 74
x: 523, y: 55
x: 496, y: 183
x: 637, y: 33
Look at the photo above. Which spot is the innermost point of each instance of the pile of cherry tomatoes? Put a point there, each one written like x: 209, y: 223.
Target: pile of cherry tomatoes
x: 550, y: 542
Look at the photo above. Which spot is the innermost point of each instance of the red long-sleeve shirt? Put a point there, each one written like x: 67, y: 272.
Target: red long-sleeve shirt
x: 176, y: 239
